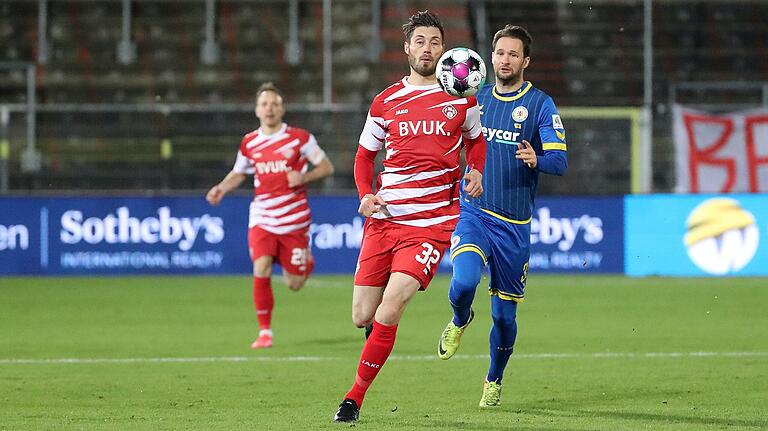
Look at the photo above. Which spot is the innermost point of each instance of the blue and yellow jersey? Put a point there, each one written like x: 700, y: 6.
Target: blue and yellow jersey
x: 508, y: 119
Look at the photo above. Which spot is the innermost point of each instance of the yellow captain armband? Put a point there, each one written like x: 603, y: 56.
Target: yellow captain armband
x: 554, y: 146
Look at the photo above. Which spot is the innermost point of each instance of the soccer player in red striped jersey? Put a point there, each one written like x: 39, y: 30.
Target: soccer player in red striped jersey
x: 411, y: 215
x: 278, y: 156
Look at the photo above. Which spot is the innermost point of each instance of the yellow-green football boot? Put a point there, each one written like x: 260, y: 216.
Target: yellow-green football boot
x: 491, y: 395
x: 451, y: 338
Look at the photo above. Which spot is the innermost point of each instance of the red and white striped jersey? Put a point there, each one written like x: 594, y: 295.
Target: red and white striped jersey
x: 421, y: 129
x: 276, y: 207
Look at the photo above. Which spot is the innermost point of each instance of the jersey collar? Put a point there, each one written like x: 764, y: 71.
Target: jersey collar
x: 282, y: 128
x: 527, y: 86
x: 418, y: 87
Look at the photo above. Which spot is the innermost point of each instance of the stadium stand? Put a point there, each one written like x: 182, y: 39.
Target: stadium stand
x: 455, y: 18
x: 548, y: 68
x: 585, y: 54
x: 582, y: 50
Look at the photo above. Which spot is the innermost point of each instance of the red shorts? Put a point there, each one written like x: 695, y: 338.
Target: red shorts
x: 290, y: 250
x: 389, y: 247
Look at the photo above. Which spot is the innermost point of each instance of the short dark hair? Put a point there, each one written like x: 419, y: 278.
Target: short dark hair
x: 516, y: 32
x: 422, y: 19
x: 268, y: 86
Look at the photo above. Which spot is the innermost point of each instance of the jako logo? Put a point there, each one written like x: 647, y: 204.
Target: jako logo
x: 121, y: 228
x: 563, y: 231
x: 366, y: 363
x: 722, y: 237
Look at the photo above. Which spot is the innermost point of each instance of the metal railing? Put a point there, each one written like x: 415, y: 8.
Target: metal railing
x: 156, y: 146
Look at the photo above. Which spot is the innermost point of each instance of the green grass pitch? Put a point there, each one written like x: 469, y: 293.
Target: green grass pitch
x: 172, y: 353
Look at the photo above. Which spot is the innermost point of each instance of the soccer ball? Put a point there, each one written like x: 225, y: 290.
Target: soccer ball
x: 460, y: 72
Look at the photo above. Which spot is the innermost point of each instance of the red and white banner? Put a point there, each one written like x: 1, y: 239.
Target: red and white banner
x: 721, y: 153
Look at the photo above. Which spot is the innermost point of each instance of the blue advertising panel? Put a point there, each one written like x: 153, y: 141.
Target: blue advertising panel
x: 123, y: 235
x: 335, y: 233
x: 697, y: 235
x: 20, y: 238
x: 162, y: 235
x: 185, y: 235
x: 577, y: 235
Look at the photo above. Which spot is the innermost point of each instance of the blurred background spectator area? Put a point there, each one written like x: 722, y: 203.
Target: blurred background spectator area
x: 155, y: 95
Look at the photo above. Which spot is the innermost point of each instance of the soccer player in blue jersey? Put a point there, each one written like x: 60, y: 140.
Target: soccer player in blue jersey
x: 525, y: 137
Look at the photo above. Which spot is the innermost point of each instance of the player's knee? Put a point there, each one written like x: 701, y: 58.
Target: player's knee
x: 463, y: 287
x: 389, y: 312
x: 295, y: 283
x: 361, y: 318
x: 466, y: 281
x: 262, y: 268
x: 505, y: 320
x: 467, y: 270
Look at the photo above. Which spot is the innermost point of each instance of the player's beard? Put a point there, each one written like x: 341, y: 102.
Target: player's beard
x: 509, y: 79
x: 422, y: 70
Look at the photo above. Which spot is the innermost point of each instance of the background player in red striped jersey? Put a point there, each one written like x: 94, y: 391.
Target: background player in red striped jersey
x: 278, y: 228
x: 413, y: 212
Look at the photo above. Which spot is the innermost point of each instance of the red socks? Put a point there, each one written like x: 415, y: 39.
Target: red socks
x: 263, y: 300
x: 375, y: 352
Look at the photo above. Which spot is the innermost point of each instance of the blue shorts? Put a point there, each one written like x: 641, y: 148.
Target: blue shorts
x: 503, y: 245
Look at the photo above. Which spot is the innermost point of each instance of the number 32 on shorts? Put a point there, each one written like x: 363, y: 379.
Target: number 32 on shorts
x: 428, y: 256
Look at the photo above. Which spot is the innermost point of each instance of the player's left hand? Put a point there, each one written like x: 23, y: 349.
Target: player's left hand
x: 473, y: 183
x: 526, y: 154
x: 295, y: 178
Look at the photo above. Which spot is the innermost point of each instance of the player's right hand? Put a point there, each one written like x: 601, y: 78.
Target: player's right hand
x: 214, y: 195
x: 370, y: 204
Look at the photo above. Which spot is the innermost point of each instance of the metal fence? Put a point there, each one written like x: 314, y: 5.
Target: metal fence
x: 155, y: 148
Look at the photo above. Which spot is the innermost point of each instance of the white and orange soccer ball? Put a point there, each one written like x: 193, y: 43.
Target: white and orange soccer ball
x: 460, y: 72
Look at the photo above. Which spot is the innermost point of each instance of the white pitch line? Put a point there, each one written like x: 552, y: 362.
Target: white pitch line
x: 652, y: 355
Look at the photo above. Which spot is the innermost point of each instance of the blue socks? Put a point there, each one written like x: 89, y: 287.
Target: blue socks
x: 503, y: 334
x: 467, y: 269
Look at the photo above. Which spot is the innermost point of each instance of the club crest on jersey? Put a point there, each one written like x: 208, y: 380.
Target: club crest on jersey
x: 450, y: 112
x: 520, y: 114
x: 287, y: 153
